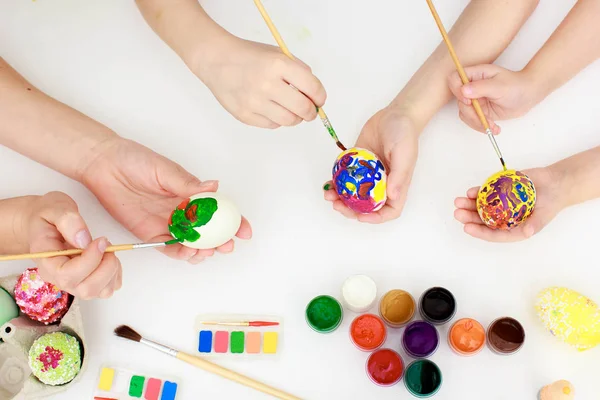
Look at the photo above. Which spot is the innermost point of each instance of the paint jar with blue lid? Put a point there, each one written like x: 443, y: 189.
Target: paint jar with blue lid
x: 324, y: 314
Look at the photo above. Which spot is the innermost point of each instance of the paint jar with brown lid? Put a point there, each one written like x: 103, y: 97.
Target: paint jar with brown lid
x: 397, y: 308
x: 505, y: 336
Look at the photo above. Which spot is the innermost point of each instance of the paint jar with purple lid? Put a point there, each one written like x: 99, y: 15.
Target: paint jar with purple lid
x: 420, y: 339
x: 437, y: 305
x: 505, y: 336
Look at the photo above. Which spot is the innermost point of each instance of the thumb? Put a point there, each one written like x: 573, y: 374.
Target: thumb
x: 534, y: 224
x: 181, y: 183
x: 61, y: 211
x: 489, y: 88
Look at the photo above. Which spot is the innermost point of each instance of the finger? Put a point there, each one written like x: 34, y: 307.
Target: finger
x: 402, y: 160
x: 260, y: 121
x: 331, y: 195
x: 467, y: 217
x: 119, y: 281
x: 245, y: 231
x: 177, y: 181
x: 97, y: 281
x: 62, y: 212
x: 226, y: 248
x: 175, y: 251
x: 473, y: 192
x: 490, y: 235
x: 72, y: 273
x: 465, y: 203
x: 201, y: 255
x: 455, y: 85
x: 469, y: 117
x: 340, y: 207
x: 197, y: 259
x: 305, y: 82
x: 488, y: 88
x: 297, y: 103
x: 110, y: 288
x: 279, y: 114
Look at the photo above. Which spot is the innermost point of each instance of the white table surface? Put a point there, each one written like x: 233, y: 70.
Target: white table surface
x: 101, y: 58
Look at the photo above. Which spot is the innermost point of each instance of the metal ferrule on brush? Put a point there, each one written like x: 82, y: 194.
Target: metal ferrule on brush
x: 159, y: 347
x: 491, y: 136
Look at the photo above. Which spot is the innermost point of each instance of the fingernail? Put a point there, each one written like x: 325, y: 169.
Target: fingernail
x: 208, y: 183
x: 467, y: 90
x: 326, y: 187
x: 83, y: 239
x: 102, y: 245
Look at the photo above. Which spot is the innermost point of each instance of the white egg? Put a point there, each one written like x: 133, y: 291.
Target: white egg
x: 205, y: 221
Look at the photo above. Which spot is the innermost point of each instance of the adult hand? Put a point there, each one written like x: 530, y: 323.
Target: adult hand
x: 141, y: 188
x: 393, y: 137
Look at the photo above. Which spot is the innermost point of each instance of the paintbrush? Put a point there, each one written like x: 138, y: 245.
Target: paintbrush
x: 465, y: 80
x: 287, y: 52
x: 127, y: 333
x: 74, y: 252
x: 242, y: 323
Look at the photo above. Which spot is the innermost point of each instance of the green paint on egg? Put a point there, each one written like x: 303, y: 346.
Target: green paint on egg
x: 189, y: 215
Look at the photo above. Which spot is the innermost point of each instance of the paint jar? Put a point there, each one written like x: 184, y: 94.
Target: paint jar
x: 397, y: 308
x: 420, y: 339
x: 466, y: 337
x: 423, y: 378
x: 385, y: 367
x: 437, y: 305
x: 324, y: 314
x: 368, y: 332
x: 359, y: 293
x: 505, y: 336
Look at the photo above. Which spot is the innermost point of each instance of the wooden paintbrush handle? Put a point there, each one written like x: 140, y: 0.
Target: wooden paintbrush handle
x: 234, y: 376
x: 459, y: 67
x: 70, y: 252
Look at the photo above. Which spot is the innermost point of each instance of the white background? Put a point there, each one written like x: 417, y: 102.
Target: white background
x: 102, y: 59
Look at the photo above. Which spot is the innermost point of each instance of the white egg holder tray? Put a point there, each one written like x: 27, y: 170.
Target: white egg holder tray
x: 16, y: 380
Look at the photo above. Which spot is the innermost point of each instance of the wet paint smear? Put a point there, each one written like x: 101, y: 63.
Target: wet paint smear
x: 423, y: 378
x: 506, y: 200
x: 324, y: 314
x: 189, y: 215
x: 360, y: 180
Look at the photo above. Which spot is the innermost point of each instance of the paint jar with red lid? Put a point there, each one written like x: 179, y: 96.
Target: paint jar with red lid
x: 385, y: 367
x: 368, y: 332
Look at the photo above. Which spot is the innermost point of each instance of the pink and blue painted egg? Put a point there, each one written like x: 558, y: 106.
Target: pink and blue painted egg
x: 360, y: 180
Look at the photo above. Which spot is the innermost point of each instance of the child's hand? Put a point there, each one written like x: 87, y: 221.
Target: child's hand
x: 55, y: 224
x: 252, y: 81
x: 503, y: 94
x: 550, y: 201
x: 394, y: 138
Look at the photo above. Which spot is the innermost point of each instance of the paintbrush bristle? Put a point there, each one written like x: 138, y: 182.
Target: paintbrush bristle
x: 128, y: 333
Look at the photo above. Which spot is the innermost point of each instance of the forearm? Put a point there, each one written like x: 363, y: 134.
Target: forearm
x: 579, y: 176
x: 186, y: 28
x: 14, y: 222
x: 574, y: 45
x: 480, y: 35
x: 44, y: 129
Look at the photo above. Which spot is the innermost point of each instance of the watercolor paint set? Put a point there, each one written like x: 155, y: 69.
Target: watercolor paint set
x: 420, y: 337
x: 240, y: 336
x: 123, y: 384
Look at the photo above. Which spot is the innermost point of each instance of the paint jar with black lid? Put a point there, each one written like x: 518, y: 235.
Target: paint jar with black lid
x: 437, y: 305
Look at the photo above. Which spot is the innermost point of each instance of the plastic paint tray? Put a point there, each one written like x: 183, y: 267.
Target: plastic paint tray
x: 130, y: 384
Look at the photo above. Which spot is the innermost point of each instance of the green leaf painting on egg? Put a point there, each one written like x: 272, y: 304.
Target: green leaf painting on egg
x: 189, y: 215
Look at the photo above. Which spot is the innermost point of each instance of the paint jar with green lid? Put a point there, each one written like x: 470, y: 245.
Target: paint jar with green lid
x: 423, y: 378
x: 324, y: 314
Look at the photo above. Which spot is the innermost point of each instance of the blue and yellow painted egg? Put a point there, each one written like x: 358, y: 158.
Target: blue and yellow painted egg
x: 570, y: 316
x: 506, y: 200
x: 359, y: 179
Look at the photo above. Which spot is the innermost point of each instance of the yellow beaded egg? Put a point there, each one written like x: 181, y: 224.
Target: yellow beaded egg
x: 570, y: 316
x: 506, y: 199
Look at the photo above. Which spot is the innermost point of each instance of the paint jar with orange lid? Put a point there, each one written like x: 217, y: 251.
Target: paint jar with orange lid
x: 368, y: 332
x: 397, y: 308
x: 466, y: 337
